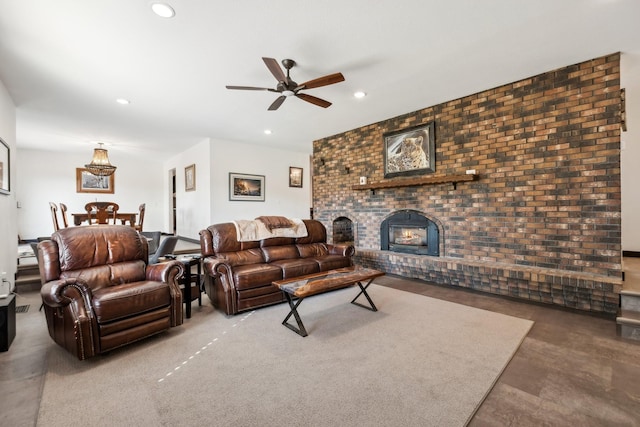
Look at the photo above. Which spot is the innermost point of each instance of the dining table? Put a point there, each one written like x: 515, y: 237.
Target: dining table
x: 124, y: 217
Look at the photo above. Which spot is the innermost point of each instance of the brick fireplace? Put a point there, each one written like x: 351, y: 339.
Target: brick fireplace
x: 541, y: 222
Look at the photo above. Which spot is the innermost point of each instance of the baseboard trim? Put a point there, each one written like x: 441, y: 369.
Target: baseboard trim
x: 632, y: 254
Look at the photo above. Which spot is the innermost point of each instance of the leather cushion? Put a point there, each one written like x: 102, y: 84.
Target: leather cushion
x: 313, y: 250
x: 108, y: 275
x: 316, y: 233
x: 297, y: 267
x: 239, y: 258
x: 331, y: 262
x: 255, y: 275
x: 120, y: 301
x: 276, y: 253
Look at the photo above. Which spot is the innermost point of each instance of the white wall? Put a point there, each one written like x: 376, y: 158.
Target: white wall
x: 44, y: 177
x: 192, y: 207
x: 630, y: 154
x: 210, y: 204
x: 280, y: 199
x: 8, y: 227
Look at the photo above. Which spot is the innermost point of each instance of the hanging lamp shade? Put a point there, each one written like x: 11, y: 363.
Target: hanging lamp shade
x: 100, y: 165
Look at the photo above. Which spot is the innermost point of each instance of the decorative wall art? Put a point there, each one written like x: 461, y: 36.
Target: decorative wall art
x: 190, y: 178
x: 409, y: 151
x: 244, y: 187
x: 5, y: 168
x: 86, y: 182
x: 295, y: 177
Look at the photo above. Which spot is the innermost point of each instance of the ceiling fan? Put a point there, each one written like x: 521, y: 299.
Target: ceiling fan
x: 287, y: 87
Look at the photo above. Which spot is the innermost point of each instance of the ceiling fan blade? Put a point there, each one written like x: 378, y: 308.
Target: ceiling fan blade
x: 322, y: 81
x: 277, y: 103
x: 275, y: 69
x: 247, y: 88
x: 312, y: 99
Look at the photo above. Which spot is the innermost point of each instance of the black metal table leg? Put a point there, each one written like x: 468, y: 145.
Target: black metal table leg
x: 363, y: 291
x: 300, y: 330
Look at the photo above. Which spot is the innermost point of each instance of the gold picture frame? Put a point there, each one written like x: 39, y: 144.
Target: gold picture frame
x: 190, y: 178
x: 86, y: 182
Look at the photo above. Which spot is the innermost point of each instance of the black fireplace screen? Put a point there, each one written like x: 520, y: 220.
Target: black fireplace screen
x: 410, y: 232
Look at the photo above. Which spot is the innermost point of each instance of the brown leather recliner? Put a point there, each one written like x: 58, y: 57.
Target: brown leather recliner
x: 99, y: 293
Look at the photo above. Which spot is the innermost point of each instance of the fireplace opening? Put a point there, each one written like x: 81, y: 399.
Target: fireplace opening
x: 410, y: 232
x: 343, y: 231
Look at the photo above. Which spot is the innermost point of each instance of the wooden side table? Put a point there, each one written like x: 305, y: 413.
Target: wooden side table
x: 188, y: 261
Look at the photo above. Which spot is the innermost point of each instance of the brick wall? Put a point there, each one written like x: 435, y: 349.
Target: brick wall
x: 547, y: 200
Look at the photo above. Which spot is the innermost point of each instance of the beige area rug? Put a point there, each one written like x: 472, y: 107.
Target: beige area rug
x: 418, y: 361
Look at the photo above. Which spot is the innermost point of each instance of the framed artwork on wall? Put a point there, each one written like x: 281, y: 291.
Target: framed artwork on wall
x: 244, y: 187
x: 86, y: 182
x: 295, y: 177
x: 5, y: 168
x: 190, y: 178
x: 410, y: 151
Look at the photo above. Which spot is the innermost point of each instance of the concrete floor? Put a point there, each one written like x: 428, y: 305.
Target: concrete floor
x: 571, y: 369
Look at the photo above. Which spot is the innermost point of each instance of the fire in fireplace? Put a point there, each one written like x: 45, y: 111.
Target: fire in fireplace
x: 410, y: 232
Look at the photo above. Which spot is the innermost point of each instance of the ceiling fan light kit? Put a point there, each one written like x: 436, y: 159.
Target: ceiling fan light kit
x: 286, y: 87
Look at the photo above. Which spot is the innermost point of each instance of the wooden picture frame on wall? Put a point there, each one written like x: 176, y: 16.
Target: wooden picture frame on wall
x: 410, y: 151
x: 5, y: 168
x: 244, y: 187
x: 295, y: 177
x: 86, y: 182
x: 190, y: 178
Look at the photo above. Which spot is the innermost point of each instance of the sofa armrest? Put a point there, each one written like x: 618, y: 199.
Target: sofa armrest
x: 218, y: 272
x: 344, y: 250
x: 219, y: 268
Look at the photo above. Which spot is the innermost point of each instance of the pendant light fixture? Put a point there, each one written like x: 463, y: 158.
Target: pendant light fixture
x: 100, y: 165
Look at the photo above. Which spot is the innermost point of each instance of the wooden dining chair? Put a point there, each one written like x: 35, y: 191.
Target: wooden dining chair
x: 101, y: 212
x: 63, y: 213
x: 140, y: 221
x: 54, y: 216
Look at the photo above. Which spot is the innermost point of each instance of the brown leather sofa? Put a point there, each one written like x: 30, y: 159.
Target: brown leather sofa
x: 98, y: 291
x: 238, y: 275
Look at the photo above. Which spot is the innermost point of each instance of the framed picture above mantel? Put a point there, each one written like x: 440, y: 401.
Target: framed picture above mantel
x: 410, y: 151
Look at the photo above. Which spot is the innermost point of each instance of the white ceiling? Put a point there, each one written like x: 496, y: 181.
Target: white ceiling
x: 65, y: 62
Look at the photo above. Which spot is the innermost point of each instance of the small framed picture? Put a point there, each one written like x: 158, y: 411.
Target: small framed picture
x: 190, y: 178
x: 244, y: 187
x: 86, y: 182
x: 295, y: 177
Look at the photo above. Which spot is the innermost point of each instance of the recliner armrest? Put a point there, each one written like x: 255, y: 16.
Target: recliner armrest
x: 60, y: 293
x: 165, y: 271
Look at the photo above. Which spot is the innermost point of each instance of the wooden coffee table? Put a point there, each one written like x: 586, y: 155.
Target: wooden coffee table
x: 305, y: 286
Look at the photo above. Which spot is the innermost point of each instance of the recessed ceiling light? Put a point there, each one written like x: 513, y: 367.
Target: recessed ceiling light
x: 267, y: 132
x: 123, y: 101
x: 163, y: 10
x: 359, y: 94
